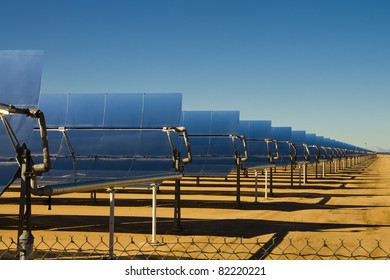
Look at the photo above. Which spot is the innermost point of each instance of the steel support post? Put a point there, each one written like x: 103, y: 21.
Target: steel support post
x: 25, y: 237
x: 292, y: 174
x: 238, y: 191
x: 323, y: 169
x: 266, y: 184
x: 177, y: 208
x: 300, y: 175
x: 271, y: 191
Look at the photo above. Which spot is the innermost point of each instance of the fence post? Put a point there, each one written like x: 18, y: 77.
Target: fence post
x: 26, y: 242
x: 112, y: 223
x: 154, y: 214
x: 256, y: 185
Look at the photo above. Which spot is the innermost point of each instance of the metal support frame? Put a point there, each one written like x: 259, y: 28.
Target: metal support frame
x: 271, y: 159
x: 268, y: 184
x: 71, y: 151
x: 111, y: 227
x: 27, y: 173
x: 178, y: 162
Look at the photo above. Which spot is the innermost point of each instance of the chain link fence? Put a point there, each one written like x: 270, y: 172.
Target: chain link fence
x: 195, y: 248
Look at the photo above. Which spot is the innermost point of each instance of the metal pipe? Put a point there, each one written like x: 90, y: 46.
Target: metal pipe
x: 276, y: 151
x: 50, y: 190
x: 244, y: 143
x: 31, y: 113
x: 183, y: 130
x: 45, y: 166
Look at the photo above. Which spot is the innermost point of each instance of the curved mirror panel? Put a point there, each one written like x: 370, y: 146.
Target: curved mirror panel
x: 20, y: 77
x: 123, y: 110
x: 298, y: 136
x: 281, y: 133
x: 255, y: 129
x: 85, y: 110
x: 161, y: 109
x: 55, y: 107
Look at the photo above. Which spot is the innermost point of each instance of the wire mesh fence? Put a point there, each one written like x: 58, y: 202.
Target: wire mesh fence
x: 195, y: 248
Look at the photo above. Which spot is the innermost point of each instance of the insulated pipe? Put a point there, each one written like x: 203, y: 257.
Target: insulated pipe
x: 31, y: 113
x: 58, y: 189
x: 276, y: 157
x: 244, y: 144
x: 183, y: 130
x: 45, y: 166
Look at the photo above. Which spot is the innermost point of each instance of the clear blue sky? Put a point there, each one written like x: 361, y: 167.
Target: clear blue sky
x: 318, y: 65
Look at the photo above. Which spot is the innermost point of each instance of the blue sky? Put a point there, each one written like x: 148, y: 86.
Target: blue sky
x: 318, y: 65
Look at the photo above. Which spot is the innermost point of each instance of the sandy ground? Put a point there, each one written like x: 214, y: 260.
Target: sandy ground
x: 353, y: 204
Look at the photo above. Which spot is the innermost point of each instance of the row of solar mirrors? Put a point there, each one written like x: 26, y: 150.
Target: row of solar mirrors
x: 144, y: 137
x: 62, y: 143
x: 99, y: 137
x: 106, y: 136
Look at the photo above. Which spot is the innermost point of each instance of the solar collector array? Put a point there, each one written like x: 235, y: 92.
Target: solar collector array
x: 260, y: 147
x: 108, y: 135
x: 111, y: 140
x: 298, y: 139
x: 212, y: 146
x: 282, y: 135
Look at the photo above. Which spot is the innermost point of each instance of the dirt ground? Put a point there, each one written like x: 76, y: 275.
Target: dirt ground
x: 353, y: 204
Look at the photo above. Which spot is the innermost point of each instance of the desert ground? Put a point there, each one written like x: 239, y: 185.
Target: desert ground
x: 352, y: 205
